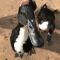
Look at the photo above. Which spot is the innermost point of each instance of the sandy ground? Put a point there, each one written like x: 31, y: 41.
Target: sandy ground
x: 8, y: 21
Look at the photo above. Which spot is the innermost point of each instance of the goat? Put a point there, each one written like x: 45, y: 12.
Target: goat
x: 35, y: 37
x: 46, y: 21
x: 20, y: 41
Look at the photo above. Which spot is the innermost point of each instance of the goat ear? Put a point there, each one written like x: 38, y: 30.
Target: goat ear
x: 45, y: 6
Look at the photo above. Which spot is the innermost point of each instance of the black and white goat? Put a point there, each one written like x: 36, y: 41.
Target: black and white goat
x: 46, y: 21
x: 20, y: 41
x: 35, y: 37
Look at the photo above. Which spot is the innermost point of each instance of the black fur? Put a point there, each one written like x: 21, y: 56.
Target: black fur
x: 32, y: 4
x: 28, y: 47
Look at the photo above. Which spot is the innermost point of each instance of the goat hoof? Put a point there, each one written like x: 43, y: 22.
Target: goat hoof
x: 49, y: 39
x: 49, y: 42
x: 41, y: 45
x: 21, y: 55
x: 16, y: 55
x: 32, y: 52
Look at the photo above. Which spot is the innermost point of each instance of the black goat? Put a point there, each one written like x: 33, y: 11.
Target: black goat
x: 46, y: 20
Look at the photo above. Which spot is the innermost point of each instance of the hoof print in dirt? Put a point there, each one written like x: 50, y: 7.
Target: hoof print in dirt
x: 32, y: 52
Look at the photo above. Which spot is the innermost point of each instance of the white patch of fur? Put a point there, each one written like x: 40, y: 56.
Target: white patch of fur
x: 32, y: 34
x: 32, y: 20
x: 44, y: 25
x: 22, y: 37
x: 49, y: 34
x: 32, y: 37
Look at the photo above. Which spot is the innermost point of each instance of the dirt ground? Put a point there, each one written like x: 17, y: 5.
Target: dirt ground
x: 8, y: 21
